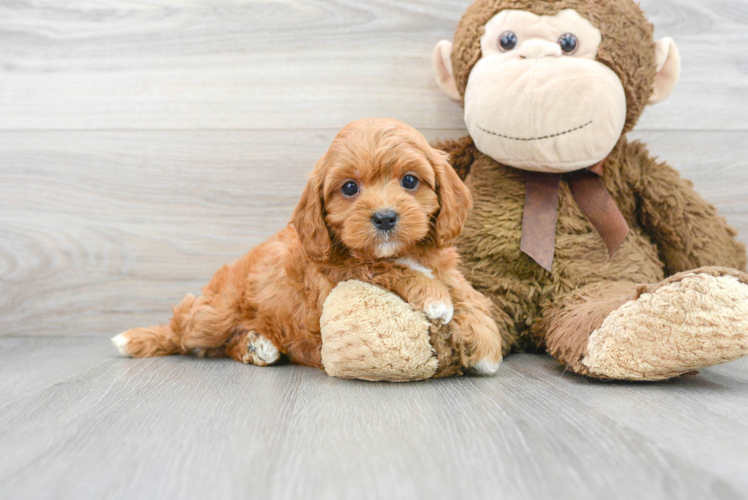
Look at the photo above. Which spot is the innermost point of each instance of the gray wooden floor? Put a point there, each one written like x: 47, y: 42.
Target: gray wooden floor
x: 76, y: 421
x: 145, y: 143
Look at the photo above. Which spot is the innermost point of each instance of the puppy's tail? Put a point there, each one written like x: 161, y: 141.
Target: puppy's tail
x: 197, y: 327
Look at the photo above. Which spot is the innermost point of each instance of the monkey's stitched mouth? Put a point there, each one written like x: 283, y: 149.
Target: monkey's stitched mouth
x: 536, y: 138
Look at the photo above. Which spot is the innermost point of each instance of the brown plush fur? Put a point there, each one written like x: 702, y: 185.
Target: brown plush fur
x: 672, y: 228
x: 278, y: 289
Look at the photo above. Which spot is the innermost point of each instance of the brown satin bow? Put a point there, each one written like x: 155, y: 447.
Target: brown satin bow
x: 541, y: 211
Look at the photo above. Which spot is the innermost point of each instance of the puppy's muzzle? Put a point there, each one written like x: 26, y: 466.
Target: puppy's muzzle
x: 385, y: 220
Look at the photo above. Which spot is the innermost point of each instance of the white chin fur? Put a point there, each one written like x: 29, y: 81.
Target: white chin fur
x: 387, y: 249
x: 120, y: 342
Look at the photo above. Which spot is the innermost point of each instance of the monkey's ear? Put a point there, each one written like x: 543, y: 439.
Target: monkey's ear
x: 442, y: 59
x: 667, y: 59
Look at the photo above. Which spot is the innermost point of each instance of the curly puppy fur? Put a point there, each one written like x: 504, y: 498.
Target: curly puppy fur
x: 278, y: 289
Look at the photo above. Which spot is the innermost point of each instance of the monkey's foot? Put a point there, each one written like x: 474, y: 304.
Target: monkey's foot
x: 690, y: 321
x: 369, y: 333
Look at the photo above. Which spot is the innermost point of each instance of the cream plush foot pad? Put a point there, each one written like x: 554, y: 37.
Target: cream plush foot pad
x: 371, y: 334
x: 698, y: 321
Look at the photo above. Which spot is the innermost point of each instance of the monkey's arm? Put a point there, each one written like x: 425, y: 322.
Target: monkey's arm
x: 686, y: 228
x: 461, y: 154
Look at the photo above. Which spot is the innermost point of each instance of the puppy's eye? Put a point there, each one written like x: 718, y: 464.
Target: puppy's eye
x: 349, y: 188
x: 410, y: 182
x: 507, y: 41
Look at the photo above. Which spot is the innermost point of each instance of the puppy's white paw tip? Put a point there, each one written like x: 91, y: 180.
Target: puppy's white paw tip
x: 486, y: 367
x: 120, y: 342
x: 261, y: 351
x: 440, y: 310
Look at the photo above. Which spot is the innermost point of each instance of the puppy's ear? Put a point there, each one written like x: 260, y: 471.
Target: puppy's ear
x: 309, y: 217
x: 455, y: 199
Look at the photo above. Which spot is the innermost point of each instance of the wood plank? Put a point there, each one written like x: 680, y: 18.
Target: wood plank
x: 31, y: 364
x: 117, y: 399
x: 288, y: 64
x: 102, y: 231
x: 185, y: 428
x: 700, y: 418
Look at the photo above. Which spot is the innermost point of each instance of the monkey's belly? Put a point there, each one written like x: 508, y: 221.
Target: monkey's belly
x: 494, y: 264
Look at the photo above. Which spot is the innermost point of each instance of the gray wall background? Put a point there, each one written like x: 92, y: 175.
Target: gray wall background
x: 144, y: 144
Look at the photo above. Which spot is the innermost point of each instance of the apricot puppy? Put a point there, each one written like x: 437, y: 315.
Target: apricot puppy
x: 381, y: 206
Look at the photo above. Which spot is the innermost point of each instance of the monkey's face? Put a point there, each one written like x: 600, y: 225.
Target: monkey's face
x: 547, y: 90
x: 537, y: 99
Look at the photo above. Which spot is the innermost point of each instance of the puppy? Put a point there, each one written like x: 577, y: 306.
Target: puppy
x: 381, y: 206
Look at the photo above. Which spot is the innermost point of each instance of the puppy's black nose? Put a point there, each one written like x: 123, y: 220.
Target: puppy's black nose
x: 384, y: 220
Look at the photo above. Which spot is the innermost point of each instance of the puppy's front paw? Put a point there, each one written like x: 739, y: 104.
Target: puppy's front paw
x: 435, y: 301
x: 443, y: 310
x: 260, y: 350
x: 480, y: 334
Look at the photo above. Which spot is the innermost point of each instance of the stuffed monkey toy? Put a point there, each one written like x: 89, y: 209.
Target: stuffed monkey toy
x: 588, y: 247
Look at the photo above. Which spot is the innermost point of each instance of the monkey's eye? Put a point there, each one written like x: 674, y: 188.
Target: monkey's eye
x: 507, y: 41
x: 569, y: 43
x: 410, y: 182
x: 349, y: 188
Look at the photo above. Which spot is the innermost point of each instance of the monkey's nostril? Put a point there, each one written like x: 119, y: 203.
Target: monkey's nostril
x: 384, y: 220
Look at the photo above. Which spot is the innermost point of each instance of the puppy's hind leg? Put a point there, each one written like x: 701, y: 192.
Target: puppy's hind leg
x: 197, y: 326
x: 251, y: 347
